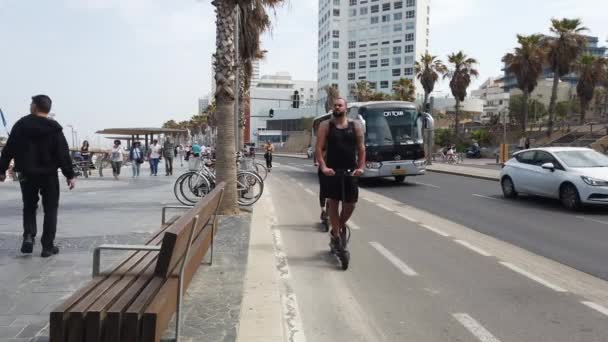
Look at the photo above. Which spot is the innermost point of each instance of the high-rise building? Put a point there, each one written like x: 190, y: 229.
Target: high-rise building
x: 203, y: 104
x: 373, y: 40
x: 255, y: 73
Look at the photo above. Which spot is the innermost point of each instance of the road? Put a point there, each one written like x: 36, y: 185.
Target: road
x: 429, y: 275
x: 538, y: 225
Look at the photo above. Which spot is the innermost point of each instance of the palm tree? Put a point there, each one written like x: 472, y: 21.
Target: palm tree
x: 404, y: 90
x: 590, y: 71
x: 460, y: 74
x: 379, y: 96
x: 563, y: 49
x: 428, y: 70
x: 527, y: 65
x: 332, y: 93
x: 361, y: 91
x: 254, y: 21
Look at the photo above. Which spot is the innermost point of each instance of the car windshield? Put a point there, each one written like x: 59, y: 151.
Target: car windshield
x: 582, y: 159
x: 389, y: 126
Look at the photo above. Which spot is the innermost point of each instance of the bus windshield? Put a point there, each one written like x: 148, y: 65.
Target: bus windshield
x: 384, y: 126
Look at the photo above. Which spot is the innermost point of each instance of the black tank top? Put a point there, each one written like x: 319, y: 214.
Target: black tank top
x: 342, y: 147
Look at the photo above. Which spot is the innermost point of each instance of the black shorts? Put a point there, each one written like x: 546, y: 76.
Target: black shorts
x: 331, y: 187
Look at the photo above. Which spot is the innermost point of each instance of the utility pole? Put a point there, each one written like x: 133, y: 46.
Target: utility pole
x: 237, y: 132
x: 72, y: 127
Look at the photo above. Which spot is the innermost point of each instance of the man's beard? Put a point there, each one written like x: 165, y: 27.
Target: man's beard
x: 339, y: 114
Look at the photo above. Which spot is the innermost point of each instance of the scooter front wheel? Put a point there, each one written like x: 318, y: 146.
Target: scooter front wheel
x: 344, y: 260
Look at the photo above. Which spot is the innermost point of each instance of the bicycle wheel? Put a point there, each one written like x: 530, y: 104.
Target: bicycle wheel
x: 177, y: 189
x: 250, y: 187
x: 194, y: 187
x: 261, y: 170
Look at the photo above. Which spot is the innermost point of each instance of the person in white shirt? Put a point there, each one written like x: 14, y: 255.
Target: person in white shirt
x: 116, y: 157
x: 155, y: 156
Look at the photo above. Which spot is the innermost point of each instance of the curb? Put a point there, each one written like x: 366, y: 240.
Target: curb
x: 455, y: 173
x: 290, y: 156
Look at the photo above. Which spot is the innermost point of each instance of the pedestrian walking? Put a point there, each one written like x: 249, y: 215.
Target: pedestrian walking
x: 86, y: 158
x: 196, y: 150
x: 168, y: 150
x: 268, y: 150
x: 39, y: 148
x: 155, y: 156
x: 527, y: 143
x: 136, y: 156
x: 116, y: 157
x: 187, y: 152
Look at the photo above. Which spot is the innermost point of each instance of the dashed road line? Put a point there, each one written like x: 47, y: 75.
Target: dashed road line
x: 309, y: 191
x: 473, y: 248
x: 300, y: 184
x: 475, y: 328
x: 435, y: 230
x: 352, y: 225
x: 384, y: 207
x: 592, y: 220
x: 487, y: 197
x: 533, y: 277
x: 402, y: 266
x: 426, y: 184
x: 407, y: 217
x: 597, y: 307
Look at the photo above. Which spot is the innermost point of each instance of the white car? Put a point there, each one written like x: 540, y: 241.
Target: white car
x: 574, y: 175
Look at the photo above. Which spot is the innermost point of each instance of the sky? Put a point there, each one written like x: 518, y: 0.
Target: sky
x: 134, y: 63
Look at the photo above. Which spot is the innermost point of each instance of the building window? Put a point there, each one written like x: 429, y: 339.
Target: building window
x: 334, y: 75
x: 374, y: 44
x: 336, y: 12
x: 410, y: 26
x: 408, y: 71
x: 410, y: 3
x: 386, y: 18
x: 386, y: 42
x: 335, y: 33
x: 362, y: 77
x: 351, y: 76
x: 397, y: 61
x: 386, y: 29
x: 397, y: 27
x: 409, y: 37
x: 409, y: 48
x: 335, y: 55
x: 362, y: 45
x: 373, y: 63
x: 396, y: 50
x: 336, y: 2
x: 363, y: 11
x: 410, y: 14
x: 352, y: 55
x: 353, y: 2
x: 362, y: 64
x: 386, y: 7
x: 385, y: 51
x: 398, y: 4
x: 408, y: 60
x: 352, y: 12
x: 397, y: 16
x: 384, y: 62
x: 396, y: 72
x: 396, y: 41
x: 374, y: 20
x: 362, y: 55
x: 336, y: 44
x: 352, y: 44
x: 335, y: 65
x: 351, y: 66
x: 374, y: 9
x: 383, y: 84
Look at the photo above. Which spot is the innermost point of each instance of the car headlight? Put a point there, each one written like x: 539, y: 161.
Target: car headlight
x: 373, y: 165
x: 420, y: 163
x: 594, y: 181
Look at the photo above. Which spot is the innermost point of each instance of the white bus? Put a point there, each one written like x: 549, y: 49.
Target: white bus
x: 393, y: 137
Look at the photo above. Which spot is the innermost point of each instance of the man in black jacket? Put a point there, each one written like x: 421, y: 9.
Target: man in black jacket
x: 39, y: 148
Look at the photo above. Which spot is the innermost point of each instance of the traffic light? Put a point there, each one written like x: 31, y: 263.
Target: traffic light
x: 296, y: 99
x: 271, y: 113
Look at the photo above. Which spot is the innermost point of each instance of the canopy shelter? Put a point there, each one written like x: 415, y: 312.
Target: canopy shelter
x: 147, y: 132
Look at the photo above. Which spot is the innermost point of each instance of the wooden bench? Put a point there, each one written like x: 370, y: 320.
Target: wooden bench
x: 137, y: 298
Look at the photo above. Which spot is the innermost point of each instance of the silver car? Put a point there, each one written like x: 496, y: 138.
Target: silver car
x: 574, y: 175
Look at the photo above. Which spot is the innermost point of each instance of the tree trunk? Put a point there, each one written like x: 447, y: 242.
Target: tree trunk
x: 224, y: 99
x: 457, y: 119
x: 552, y: 104
x: 584, y: 107
x: 526, y: 110
x: 426, y: 101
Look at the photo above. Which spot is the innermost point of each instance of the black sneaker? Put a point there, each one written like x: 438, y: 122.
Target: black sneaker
x: 334, y: 244
x: 27, y: 246
x: 49, y: 252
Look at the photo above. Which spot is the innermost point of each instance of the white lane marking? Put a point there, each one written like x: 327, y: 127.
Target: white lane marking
x: 475, y: 328
x: 429, y: 185
x: 403, y: 267
x: 597, y: 307
x: 486, y: 197
x: 407, y: 218
x: 435, y: 230
x: 352, y: 225
x: 592, y: 220
x: 300, y: 184
x: 384, y: 207
x: 309, y: 191
x: 533, y: 277
x: 473, y: 248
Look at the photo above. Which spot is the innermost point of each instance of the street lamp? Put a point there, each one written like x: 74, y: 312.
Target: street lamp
x: 72, y: 127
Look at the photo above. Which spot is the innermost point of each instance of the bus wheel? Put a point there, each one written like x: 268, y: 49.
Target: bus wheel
x: 399, y: 179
